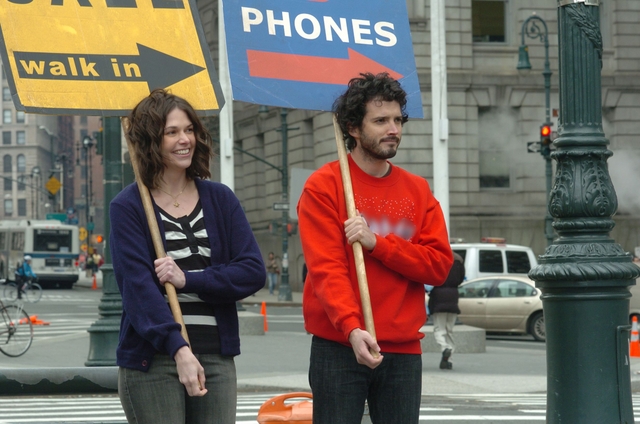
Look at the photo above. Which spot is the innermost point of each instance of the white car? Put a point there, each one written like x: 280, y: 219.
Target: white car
x: 502, y: 303
x: 494, y: 257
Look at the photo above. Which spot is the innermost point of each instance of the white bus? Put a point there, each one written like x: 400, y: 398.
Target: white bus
x: 54, y: 248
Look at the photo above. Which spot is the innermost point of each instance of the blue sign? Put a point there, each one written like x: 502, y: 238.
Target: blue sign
x: 302, y: 53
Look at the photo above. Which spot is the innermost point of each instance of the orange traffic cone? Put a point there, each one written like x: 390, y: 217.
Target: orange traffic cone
x: 263, y: 312
x: 634, y: 343
x: 94, y: 286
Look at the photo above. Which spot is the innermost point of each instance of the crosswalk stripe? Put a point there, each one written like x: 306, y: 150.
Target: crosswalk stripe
x: 107, y: 409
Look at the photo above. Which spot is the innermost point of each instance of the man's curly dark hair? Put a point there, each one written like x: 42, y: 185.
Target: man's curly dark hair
x: 351, y: 106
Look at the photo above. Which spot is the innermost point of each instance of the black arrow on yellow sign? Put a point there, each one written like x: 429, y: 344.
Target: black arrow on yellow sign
x: 157, y: 69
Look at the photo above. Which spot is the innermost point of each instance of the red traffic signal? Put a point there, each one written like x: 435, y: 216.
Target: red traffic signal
x: 545, y: 131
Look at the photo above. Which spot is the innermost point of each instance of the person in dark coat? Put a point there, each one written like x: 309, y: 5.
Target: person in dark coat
x: 443, y: 307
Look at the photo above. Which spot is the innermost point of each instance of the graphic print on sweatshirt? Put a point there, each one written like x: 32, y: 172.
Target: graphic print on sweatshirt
x: 388, y: 216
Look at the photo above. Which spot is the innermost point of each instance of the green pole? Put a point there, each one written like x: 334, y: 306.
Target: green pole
x: 584, y: 275
x: 104, y: 332
x: 284, y: 293
x: 530, y: 29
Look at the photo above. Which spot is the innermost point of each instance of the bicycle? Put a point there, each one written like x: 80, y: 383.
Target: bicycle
x: 16, y: 330
x: 31, y: 289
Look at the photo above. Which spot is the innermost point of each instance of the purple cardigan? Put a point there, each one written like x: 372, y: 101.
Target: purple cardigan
x: 236, y: 272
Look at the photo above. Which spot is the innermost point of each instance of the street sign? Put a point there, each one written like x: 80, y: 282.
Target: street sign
x: 53, y: 185
x: 533, y: 147
x: 102, y: 57
x: 301, y: 54
x: 280, y: 206
x: 57, y: 216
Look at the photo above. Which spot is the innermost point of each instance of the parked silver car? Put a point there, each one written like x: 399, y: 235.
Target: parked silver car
x: 505, y: 303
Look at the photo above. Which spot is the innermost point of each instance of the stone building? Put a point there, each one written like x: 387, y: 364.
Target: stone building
x: 496, y: 187
x: 38, y: 150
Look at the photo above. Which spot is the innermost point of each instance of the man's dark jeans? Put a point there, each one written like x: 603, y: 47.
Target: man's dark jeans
x: 340, y: 386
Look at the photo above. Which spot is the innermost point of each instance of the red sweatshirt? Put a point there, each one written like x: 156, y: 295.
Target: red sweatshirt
x: 412, y: 249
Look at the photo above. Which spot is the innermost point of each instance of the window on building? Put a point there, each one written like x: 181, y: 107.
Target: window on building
x: 20, y: 116
x: 6, y: 116
x: 22, y: 163
x: 6, y: 94
x: 6, y: 137
x: 8, y: 207
x: 495, y: 128
x: 21, y: 182
x: 8, y: 183
x: 22, y: 207
x: 6, y: 164
x: 488, y: 21
x: 83, y: 120
x: 21, y: 137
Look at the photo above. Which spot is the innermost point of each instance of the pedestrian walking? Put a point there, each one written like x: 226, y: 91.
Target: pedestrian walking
x: 272, y: 272
x: 404, y: 238
x: 212, y: 259
x: 443, y: 307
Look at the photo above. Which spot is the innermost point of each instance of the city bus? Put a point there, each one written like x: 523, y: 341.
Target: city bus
x: 53, y: 246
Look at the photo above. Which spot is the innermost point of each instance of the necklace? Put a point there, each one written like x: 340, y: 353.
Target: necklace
x: 175, y: 198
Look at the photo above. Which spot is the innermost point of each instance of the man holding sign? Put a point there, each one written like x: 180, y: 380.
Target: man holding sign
x: 403, y: 234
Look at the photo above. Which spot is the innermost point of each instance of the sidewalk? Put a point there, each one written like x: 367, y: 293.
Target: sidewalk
x: 272, y: 299
x: 280, y: 361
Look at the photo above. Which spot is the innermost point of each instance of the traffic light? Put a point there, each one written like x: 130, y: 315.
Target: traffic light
x: 545, y: 139
x: 99, y: 138
x: 97, y: 239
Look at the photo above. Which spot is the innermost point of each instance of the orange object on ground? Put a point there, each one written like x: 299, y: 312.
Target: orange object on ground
x: 634, y: 342
x: 34, y: 320
x: 94, y: 286
x: 275, y: 410
x: 263, y: 312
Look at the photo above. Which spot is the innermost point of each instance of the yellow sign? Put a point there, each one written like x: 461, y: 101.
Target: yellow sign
x: 53, y: 185
x: 102, y: 57
x: 82, y: 233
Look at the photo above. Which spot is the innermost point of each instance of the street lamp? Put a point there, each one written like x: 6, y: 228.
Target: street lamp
x: 531, y: 28
x: 35, y: 175
x: 87, y: 143
x: 284, y: 292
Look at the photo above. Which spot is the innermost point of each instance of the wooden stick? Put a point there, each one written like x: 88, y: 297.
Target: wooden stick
x: 357, y: 247
x: 155, y: 236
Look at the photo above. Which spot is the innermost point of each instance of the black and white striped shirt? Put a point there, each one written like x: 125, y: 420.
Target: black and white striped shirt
x: 188, y: 245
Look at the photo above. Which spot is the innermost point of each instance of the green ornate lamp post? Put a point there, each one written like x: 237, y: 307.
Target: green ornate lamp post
x: 584, y: 275
x: 531, y: 29
x: 104, y: 332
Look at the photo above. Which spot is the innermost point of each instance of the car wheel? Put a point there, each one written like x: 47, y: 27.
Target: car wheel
x: 537, y: 328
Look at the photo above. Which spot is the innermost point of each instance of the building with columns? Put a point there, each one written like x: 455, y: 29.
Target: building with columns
x: 496, y: 187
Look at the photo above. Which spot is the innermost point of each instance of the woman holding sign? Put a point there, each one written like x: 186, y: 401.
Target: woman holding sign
x: 212, y: 259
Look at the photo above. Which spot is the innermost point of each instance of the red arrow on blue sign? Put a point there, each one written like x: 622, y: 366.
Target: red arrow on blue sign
x: 316, y: 69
